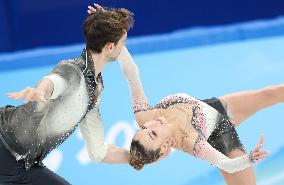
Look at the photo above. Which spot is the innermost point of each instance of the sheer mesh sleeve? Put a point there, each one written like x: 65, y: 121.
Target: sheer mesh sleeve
x: 131, y: 73
x: 205, y: 151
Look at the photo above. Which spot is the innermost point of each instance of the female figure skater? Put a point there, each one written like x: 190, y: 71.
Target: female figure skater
x: 203, y: 128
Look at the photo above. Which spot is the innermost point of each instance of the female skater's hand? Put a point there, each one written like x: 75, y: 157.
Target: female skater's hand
x: 94, y: 9
x: 258, y: 154
x: 29, y: 94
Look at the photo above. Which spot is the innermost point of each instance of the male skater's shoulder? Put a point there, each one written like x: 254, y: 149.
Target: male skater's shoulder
x: 69, y: 74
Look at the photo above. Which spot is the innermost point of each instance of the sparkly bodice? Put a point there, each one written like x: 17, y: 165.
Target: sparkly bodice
x: 201, y: 116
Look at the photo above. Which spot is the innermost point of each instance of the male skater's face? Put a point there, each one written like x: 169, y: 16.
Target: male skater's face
x: 115, y: 51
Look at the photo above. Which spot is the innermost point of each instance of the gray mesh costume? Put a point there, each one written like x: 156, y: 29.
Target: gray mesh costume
x: 30, y: 131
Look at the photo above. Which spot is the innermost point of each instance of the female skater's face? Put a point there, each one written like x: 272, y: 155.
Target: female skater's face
x: 154, y: 133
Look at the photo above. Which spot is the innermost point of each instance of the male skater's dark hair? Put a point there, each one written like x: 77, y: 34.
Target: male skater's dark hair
x: 105, y: 26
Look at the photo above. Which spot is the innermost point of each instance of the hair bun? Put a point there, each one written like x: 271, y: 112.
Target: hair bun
x: 135, y: 164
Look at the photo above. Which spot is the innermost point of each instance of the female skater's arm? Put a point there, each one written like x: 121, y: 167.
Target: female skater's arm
x: 205, y: 151
x: 131, y: 73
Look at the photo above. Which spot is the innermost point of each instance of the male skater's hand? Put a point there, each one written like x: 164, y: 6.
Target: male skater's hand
x: 94, y: 9
x: 258, y: 154
x: 29, y: 94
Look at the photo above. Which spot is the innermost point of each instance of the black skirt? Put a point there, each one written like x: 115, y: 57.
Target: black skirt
x: 224, y: 138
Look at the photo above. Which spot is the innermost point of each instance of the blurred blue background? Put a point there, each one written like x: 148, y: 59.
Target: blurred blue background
x: 32, y: 23
x: 202, y: 48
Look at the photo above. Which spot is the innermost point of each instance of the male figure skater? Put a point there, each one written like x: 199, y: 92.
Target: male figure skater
x: 67, y: 97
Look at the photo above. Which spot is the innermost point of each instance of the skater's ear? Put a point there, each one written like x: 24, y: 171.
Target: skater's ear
x: 166, y: 147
